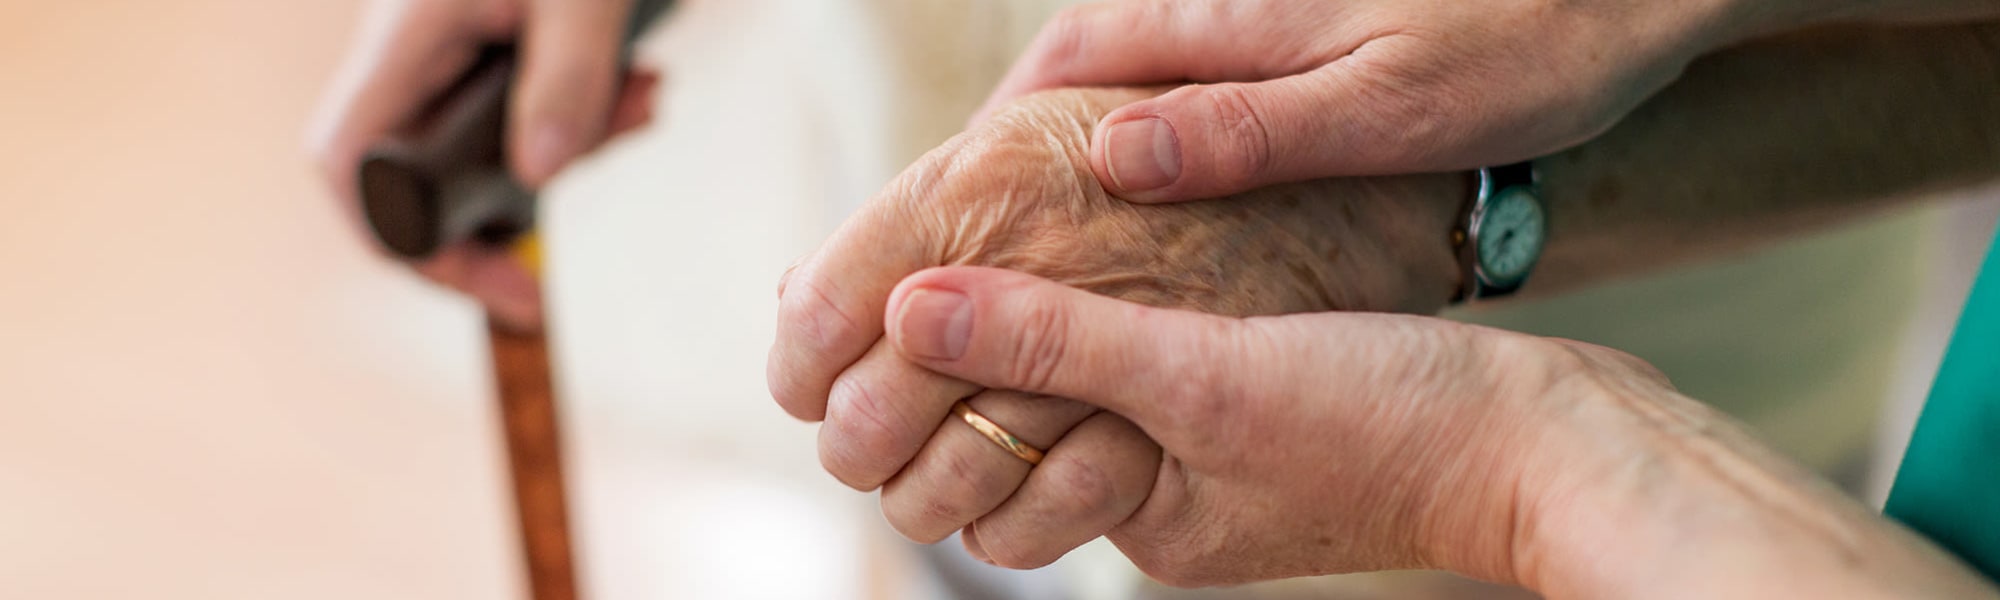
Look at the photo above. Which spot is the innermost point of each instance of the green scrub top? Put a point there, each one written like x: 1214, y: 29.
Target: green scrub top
x: 1949, y: 485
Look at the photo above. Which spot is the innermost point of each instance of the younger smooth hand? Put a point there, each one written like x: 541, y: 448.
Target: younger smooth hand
x: 1305, y: 89
x: 1336, y: 442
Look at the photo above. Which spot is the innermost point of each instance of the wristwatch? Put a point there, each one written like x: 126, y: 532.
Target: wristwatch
x: 1500, y: 233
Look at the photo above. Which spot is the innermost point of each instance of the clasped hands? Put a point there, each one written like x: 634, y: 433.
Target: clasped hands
x: 999, y: 271
x: 1215, y: 440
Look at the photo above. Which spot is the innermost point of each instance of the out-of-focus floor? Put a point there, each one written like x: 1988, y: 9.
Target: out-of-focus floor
x: 208, y: 389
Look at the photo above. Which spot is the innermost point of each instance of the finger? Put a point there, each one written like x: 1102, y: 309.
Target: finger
x: 566, y: 89
x: 880, y: 413
x: 1008, y: 330
x: 1209, y: 141
x: 494, y: 277
x: 1126, y: 43
x: 830, y: 312
x: 960, y: 474
x: 1092, y: 480
x: 404, y: 53
x: 634, y: 108
x: 786, y: 277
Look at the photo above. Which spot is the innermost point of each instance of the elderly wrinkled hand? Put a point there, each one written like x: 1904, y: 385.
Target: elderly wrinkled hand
x: 1337, y: 442
x: 1017, y: 192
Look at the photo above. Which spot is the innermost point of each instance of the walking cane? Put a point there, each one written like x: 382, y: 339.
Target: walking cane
x: 443, y: 181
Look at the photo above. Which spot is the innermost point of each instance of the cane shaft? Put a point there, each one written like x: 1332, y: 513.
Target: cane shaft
x: 534, y: 458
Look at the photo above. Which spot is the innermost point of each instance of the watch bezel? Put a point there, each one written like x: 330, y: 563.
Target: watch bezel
x: 1485, y: 283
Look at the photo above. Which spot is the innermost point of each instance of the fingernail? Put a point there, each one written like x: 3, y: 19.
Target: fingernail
x: 549, y: 145
x: 1143, y: 154
x: 936, y: 323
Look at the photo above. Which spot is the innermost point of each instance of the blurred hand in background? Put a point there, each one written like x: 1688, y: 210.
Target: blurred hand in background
x: 569, y: 96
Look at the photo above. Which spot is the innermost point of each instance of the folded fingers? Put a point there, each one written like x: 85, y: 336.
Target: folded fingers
x: 1092, y: 480
x: 961, y: 474
x: 879, y: 413
x: 830, y: 309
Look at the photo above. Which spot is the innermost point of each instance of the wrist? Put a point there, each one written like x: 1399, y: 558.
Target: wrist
x: 1586, y: 476
x: 1586, y: 480
x: 1640, y: 492
x: 1384, y: 242
x: 1430, y: 250
x: 1496, y: 512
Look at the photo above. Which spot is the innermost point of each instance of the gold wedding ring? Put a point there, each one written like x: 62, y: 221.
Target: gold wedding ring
x: 999, y: 435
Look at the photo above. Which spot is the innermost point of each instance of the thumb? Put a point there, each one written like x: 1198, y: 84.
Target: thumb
x: 1208, y: 141
x: 568, y: 84
x: 1008, y: 330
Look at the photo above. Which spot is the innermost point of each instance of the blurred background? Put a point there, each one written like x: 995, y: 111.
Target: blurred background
x: 214, y: 389
x: 211, y: 388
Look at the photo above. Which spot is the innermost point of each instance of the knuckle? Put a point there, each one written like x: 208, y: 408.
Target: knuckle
x: 1245, y: 134
x: 809, y: 318
x: 1015, y: 547
x: 1086, y: 494
x: 925, y: 520
x: 859, y: 438
x: 1408, y: 116
x: 785, y: 388
x: 811, y: 328
x: 1087, y: 491
x: 960, y: 488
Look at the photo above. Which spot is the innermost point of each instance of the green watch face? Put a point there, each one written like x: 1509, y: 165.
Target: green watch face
x: 1510, y: 234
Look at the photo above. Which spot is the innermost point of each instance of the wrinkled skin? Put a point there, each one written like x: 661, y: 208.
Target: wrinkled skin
x: 1017, y: 192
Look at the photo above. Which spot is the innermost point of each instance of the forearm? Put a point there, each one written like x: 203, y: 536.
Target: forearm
x: 1663, y: 497
x: 1774, y: 138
